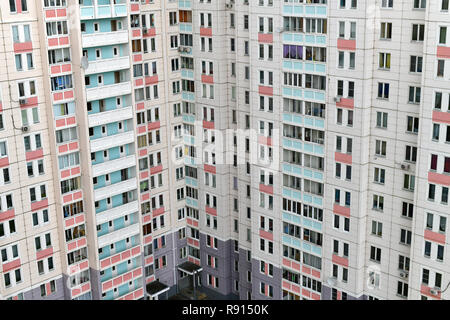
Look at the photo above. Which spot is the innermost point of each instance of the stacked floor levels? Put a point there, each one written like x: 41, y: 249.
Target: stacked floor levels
x: 260, y: 149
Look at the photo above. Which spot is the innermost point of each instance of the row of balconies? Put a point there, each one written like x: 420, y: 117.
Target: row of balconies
x: 96, y: 11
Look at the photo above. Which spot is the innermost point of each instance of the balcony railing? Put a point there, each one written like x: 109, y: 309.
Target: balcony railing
x: 103, y: 11
x: 118, y: 235
x: 104, y: 38
x: 108, y: 91
x: 107, y: 65
x: 112, y: 141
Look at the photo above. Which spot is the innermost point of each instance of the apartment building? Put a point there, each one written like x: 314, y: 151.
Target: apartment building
x: 256, y: 149
x: 333, y: 92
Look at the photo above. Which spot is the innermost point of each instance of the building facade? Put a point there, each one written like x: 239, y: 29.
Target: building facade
x: 292, y: 149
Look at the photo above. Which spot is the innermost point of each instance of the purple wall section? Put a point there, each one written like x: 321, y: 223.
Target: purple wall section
x: 326, y: 294
x: 179, y: 243
x: 172, y: 252
x: 35, y: 294
x: 225, y: 272
x: 95, y: 284
x: 166, y: 274
x: 258, y: 277
x: 225, y: 255
x: 245, y: 286
x: 62, y: 290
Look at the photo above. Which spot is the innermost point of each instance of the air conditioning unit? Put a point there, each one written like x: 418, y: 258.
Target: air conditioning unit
x: 23, y: 101
x: 25, y: 129
x: 435, y: 291
x: 337, y: 99
x: 404, y: 274
x: 405, y: 166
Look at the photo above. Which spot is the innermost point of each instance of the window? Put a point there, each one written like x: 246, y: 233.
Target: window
x: 412, y: 125
x: 174, y: 42
x: 380, y: 148
x: 443, y: 35
x: 61, y: 83
x: 28, y: 58
x: 66, y: 135
x: 293, y: 52
x: 173, y: 18
x: 7, y: 228
x: 375, y: 254
x: 32, y: 142
x: 418, y: 32
x: 445, y: 5
x: 353, y: 30
x: 411, y: 154
x: 352, y: 56
x: 382, y: 120
x: 387, y: 3
x: 431, y: 192
x: 402, y: 289
x: 27, y: 89
x: 30, y: 116
x: 383, y: 90
x: 440, y: 68
x: 385, y: 61
x: 57, y: 28
x: 436, y: 132
x: 427, y: 249
x: 378, y: 203
x: 405, y: 236
x: 3, y: 149
x: 379, y: 175
x: 416, y: 64
x: 407, y: 210
x: 414, y: 94
x: 420, y: 4
x: 403, y: 263
x: 21, y: 33
x: 409, y: 182
x: 386, y: 31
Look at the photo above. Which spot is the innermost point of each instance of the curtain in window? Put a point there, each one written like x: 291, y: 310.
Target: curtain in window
x: 300, y: 52
x: 286, y: 51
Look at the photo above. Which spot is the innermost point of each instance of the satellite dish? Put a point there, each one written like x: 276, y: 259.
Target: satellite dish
x: 331, y: 281
x: 84, y: 62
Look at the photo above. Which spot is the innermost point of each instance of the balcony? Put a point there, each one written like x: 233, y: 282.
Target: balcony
x: 101, y: 118
x: 113, y: 258
x: 108, y: 65
x: 114, y: 189
x: 113, y: 165
x: 109, y: 91
x: 118, y: 235
x: 309, y: 9
x: 117, y: 212
x: 185, y: 27
x: 112, y: 141
x: 184, y: 4
x: 104, y: 38
x: 117, y: 279
x: 135, y: 295
x: 103, y: 11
